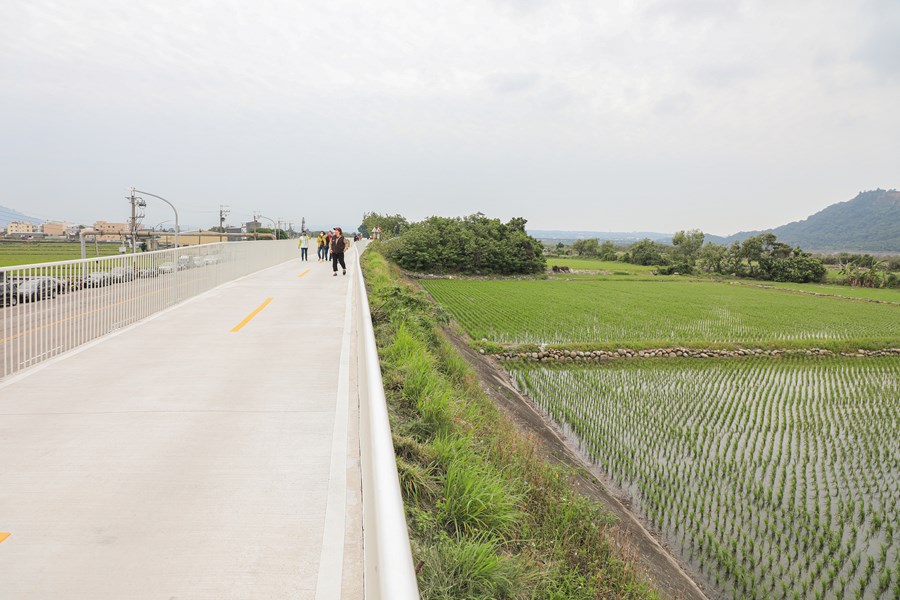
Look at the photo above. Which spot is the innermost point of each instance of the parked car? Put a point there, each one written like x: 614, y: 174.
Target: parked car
x: 97, y: 279
x: 148, y: 272
x: 211, y: 259
x: 9, y: 295
x: 167, y: 267
x: 120, y: 274
x: 37, y: 288
x: 62, y: 285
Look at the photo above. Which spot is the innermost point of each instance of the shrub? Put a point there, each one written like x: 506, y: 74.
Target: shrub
x: 472, y: 245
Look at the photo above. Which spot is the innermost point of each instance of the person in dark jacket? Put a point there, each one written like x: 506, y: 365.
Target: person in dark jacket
x: 338, y: 246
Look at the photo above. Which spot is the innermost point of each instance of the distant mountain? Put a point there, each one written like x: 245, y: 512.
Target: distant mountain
x: 868, y: 223
x: 546, y: 235
x: 8, y: 214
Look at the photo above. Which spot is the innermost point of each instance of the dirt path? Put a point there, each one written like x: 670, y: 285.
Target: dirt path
x: 666, y: 573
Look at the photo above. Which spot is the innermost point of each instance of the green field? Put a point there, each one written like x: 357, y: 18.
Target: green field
x: 28, y: 253
x: 587, y: 264
x: 661, y: 313
x: 775, y: 478
x: 882, y: 294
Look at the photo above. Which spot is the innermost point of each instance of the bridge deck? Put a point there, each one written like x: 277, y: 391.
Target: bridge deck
x: 182, y: 459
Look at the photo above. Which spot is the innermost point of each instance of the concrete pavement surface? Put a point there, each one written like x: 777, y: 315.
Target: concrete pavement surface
x: 210, y: 451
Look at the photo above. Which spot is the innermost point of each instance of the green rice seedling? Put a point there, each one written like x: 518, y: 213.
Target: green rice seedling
x: 661, y: 313
x: 884, y: 581
x: 686, y: 438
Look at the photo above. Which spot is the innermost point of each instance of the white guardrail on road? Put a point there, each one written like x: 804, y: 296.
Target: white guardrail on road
x: 389, y: 570
x: 50, y: 308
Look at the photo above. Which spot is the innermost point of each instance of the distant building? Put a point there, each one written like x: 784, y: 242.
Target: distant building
x: 111, y: 232
x: 251, y: 226
x: 55, y: 229
x: 19, y: 227
x: 189, y: 238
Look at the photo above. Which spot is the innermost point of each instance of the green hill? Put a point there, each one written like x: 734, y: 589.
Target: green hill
x: 868, y: 223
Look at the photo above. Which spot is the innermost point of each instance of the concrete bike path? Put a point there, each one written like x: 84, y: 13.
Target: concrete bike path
x: 208, y: 452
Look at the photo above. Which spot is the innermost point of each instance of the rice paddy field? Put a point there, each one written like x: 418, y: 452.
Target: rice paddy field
x: 774, y: 478
x: 880, y: 294
x: 28, y: 253
x: 660, y: 313
x: 771, y: 477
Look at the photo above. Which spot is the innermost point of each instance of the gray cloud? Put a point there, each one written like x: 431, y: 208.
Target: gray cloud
x: 673, y: 105
x: 695, y: 9
x: 880, y: 49
x: 723, y: 75
x: 617, y: 111
x: 513, y: 83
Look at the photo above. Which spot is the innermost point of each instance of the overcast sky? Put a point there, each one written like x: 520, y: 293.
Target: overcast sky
x: 655, y: 115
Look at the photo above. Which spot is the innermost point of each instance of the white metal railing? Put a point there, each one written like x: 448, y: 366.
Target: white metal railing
x: 47, y: 309
x: 389, y: 572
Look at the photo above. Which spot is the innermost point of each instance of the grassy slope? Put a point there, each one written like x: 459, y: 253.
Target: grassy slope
x: 662, y: 313
x: 488, y: 518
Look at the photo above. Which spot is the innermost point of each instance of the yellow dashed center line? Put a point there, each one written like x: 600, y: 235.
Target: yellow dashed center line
x: 304, y: 273
x: 249, y: 317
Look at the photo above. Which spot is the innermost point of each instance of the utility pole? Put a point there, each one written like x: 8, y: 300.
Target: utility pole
x: 223, y: 212
x: 136, y: 203
x: 302, y: 224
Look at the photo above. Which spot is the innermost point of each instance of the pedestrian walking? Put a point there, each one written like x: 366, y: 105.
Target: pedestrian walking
x: 338, y: 246
x: 328, y: 237
x: 303, y: 244
x: 322, y: 248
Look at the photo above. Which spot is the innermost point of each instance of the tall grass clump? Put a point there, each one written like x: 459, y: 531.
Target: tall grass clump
x: 488, y: 516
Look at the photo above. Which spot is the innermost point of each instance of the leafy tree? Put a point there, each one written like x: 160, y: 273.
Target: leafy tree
x: 608, y: 251
x: 763, y: 257
x: 473, y: 244
x: 734, y: 261
x: 391, y: 225
x: 713, y: 258
x: 752, y: 250
x: 687, y: 246
x: 646, y: 252
x: 586, y: 247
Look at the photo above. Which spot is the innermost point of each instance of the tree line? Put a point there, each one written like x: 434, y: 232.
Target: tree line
x: 474, y: 245
x: 760, y: 257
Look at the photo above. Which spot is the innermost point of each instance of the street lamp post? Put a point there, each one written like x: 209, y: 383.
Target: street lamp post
x: 177, y: 229
x: 274, y: 227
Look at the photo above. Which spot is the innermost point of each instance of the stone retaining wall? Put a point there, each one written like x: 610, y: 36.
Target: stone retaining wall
x: 676, y: 352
